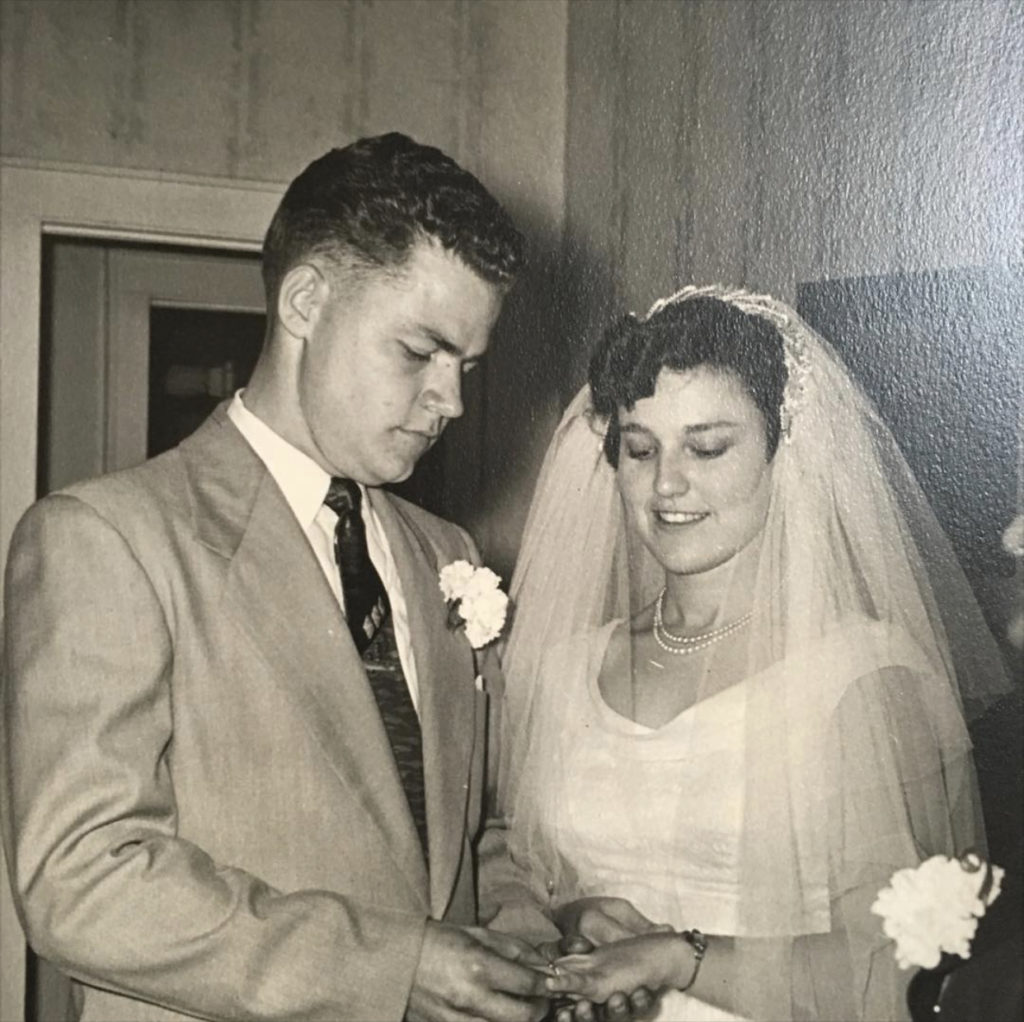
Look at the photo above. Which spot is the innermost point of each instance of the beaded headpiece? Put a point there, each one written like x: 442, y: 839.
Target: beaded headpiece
x: 794, y: 333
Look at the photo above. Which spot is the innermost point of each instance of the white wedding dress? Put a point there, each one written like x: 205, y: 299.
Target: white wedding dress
x: 636, y: 854
x: 655, y: 815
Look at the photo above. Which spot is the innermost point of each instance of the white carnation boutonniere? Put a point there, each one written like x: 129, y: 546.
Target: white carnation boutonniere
x: 935, y: 907
x: 475, y: 601
x: 1013, y: 537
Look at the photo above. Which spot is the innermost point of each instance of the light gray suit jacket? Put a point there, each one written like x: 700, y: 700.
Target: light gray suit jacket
x: 200, y: 806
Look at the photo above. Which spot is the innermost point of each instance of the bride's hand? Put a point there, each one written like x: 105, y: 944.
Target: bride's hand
x: 651, y: 961
x: 618, y: 1008
x: 603, y: 920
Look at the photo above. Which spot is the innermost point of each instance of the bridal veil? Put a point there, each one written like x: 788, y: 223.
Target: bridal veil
x: 865, y: 656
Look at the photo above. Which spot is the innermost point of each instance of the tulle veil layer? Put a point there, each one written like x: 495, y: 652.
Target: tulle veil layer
x: 864, y: 656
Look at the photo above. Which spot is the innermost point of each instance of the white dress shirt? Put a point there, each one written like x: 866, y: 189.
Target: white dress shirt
x: 304, y: 485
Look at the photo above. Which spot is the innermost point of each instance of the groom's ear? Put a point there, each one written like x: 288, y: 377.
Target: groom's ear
x: 302, y: 294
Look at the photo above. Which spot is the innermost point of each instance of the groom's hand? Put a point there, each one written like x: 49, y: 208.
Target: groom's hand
x: 604, y: 920
x: 473, y: 973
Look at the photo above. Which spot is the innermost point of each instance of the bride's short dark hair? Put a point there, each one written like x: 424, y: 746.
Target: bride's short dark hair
x: 702, y: 331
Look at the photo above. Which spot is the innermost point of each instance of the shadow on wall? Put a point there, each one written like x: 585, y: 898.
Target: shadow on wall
x: 939, y: 354
x: 532, y: 371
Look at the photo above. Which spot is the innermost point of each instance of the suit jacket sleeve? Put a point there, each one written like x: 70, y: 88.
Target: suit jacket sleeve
x: 508, y: 902
x: 105, y: 887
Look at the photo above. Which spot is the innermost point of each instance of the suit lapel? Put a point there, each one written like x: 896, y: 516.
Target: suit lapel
x: 444, y: 670
x: 277, y: 595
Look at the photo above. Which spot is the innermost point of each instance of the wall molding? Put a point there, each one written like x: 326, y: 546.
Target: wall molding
x: 141, y: 174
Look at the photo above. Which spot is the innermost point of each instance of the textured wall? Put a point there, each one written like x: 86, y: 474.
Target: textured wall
x: 254, y: 89
x: 773, y: 142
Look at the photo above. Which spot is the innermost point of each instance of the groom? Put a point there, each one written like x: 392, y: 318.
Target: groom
x: 243, y: 751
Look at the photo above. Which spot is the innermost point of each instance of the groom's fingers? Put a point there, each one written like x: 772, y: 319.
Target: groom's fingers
x: 459, y: 976
x: 511, y: 948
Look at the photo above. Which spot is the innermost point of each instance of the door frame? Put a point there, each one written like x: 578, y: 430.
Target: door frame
x: 95, y: 202
x: 38, y: 198
x: 136, y: 282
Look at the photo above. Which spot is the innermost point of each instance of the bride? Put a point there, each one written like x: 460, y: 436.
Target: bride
x: 732, y: 696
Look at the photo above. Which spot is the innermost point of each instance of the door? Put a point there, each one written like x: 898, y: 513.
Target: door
x: 185, y: 331
x: 126, y: 331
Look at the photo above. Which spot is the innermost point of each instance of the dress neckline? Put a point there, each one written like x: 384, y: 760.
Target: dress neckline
x: 619, y: 722
x: 855, y: 641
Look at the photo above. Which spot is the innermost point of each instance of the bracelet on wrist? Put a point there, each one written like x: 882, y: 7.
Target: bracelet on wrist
x: 699, y: 943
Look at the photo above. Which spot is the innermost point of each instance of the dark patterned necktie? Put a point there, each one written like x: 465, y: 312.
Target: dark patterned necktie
x: 366, y: 600
x: 369, y: 620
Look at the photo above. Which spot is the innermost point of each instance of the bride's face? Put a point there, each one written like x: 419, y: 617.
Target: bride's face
x: 692, y: 469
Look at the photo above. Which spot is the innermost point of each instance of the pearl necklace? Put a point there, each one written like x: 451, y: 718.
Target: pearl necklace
x: 683, y: 645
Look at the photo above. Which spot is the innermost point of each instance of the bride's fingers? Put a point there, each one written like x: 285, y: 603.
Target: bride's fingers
x: 575, y: 944
x: 550, y: 950
x: 642, y: 1001
x: 600, y: 928
x: 565, y: 982
x: 617, y: 1008
x: 585, y: 1012
x: 574, y: 963
x: 631, y: 918
x: 615, y: 920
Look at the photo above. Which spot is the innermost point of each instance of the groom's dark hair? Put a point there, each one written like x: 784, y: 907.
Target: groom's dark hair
x: 704, y: 331
x: 366, y: 205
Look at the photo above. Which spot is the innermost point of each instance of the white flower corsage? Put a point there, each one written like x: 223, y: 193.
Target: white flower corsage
x: 1013, y: 537
x: 935, y: 907
x: 474, y: 601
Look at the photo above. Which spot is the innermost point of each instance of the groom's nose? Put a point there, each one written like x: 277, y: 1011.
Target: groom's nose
x: 442, y: 395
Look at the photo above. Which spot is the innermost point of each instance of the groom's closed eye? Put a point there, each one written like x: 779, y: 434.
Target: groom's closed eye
x: 413, y: 355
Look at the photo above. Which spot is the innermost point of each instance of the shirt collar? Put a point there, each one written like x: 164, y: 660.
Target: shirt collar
x: 302, y: 481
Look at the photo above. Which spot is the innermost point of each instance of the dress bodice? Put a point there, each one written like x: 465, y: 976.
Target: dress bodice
x: 689, y: 769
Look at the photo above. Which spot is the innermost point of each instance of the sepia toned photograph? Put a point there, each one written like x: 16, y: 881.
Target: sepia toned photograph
x: 511, y: 510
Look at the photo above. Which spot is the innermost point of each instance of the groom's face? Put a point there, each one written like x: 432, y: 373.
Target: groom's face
x: 382, y: 368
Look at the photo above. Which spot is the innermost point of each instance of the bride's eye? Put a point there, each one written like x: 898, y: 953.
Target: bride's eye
x: 639, y: 452
x: 707, y: 453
